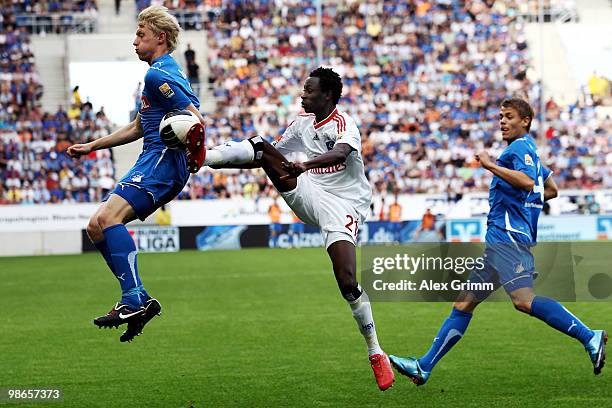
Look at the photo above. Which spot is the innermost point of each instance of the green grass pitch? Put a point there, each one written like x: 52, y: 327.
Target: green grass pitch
x: 269, y: 328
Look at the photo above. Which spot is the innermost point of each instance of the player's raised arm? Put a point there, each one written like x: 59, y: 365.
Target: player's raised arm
x: 516, y: 178
x: 196, y: 112
x: 127, y: 134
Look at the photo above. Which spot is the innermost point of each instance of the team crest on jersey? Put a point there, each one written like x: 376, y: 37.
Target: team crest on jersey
x: 144, y: 103
x: 166, y: 90
x: 137, y: 176
x: 330, y: 144
x: 528, y: 160
x: 519, y: 268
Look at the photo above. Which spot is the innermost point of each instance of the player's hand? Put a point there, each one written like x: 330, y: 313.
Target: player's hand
x: 293, y: 168
x: 78, y: 150
x: 484, y: 159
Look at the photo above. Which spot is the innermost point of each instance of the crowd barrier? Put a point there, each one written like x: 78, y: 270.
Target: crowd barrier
x: 60, y: 229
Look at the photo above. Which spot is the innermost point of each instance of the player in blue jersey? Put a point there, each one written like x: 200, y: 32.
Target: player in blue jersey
x: 518, y: 190
x: 158, y: 175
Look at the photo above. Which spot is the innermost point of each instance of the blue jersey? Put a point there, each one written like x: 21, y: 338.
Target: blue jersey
x: 160, y: 173
x: 166, y: 88
x: 512, y: 209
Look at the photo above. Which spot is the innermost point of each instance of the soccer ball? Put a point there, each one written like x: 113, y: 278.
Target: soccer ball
x: 174, y: 126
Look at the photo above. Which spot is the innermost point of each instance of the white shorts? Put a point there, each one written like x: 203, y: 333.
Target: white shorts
x: 338, y: 219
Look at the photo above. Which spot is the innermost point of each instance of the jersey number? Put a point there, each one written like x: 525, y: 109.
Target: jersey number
x: 539, y: 188
x: 352, y: 225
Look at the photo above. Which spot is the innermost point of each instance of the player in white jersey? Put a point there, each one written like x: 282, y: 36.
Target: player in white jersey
x: 329, y: 190
x: 336, y: 197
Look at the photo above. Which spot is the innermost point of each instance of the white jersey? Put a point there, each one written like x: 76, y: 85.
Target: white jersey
x: 345, y: 180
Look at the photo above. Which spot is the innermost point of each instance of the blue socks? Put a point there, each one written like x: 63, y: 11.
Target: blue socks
x: 545, y: 309
x: 555, y: 315
x: 103, y: 248
x: 450, y: 333
x: 120, y: 254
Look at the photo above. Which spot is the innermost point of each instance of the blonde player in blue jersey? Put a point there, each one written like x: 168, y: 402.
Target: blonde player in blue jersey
x: 518, y: 190
x: 158, y: 175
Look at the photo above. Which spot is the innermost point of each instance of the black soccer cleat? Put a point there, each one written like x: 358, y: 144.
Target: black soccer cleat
x: 152, y: 308
x: 119, y: 314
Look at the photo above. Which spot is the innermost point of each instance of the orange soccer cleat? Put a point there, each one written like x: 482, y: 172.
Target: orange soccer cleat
x: 382, y: 371
x: 196, y: 147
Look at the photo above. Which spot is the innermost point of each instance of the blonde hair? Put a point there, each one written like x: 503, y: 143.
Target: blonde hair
x: 160, y: 21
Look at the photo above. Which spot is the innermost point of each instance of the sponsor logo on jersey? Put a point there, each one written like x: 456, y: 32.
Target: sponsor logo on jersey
x: 144, y: 103
x: 166, y: 90
x: 528, y: 160
x: 328, y: 170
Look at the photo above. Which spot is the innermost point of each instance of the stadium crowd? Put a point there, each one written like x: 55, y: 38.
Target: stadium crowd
x: 50, y: 16
x: 34, y: 167
x: 423, y: 79
x: 191, y: 14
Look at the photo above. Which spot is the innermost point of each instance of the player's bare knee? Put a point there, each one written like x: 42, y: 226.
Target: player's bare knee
x: 522, y: 298
x: 107, y: 219
x: 94, y: 232
x: 522, y: 305
x: 465, y: 306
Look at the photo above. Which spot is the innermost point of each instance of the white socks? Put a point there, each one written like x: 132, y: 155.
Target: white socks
x: 362, y: 312
x: 230, y: 153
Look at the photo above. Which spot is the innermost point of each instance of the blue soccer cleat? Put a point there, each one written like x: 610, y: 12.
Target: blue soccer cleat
x: 596, y: 347
x: 410, y: 368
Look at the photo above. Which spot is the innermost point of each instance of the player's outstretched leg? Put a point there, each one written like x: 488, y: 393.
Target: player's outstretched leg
x: 152, y: 308
x: 234, y: 153
x: 342, y: 254
x: 555, y: 315
x: 452, y: 330
x: 254, y: 151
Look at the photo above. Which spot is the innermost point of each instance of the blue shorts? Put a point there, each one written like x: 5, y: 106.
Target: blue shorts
x: 508, y: 262
x: 156, y: 178
x: 276, y: 227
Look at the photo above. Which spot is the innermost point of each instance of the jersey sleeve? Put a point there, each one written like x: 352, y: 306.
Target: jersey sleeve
x: 524, y: 160
x: 350, y: 136
x: 546, y: 173
x: 290, y: 141
x: 166, y: 90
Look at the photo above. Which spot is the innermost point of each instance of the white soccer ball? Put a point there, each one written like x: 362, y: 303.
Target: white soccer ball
x: 174, y: 126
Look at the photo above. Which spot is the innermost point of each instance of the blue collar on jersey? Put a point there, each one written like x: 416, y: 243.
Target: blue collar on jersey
x: 160, y: 58
x: 526, y: 135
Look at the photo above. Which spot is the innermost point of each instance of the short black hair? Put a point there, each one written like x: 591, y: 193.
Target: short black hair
x: 329, y: 81
x: 521, y: 106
